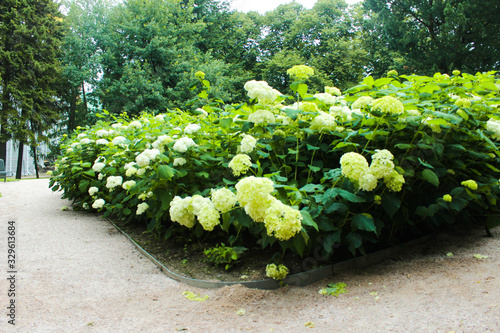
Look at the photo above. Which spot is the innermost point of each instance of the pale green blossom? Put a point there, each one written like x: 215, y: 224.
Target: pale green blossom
x: 300, y: 72
x: 324, y: 123
x: 130, y: 171
x: 179, y: 161
x: 161, y: 142
x: 362, y: 103
x: 326, y: 98
x: 181, y: 211
x: 388, y: 105
x: 394, y: 181
x: 128, y: 184
x: 114, y: 181
x: 447, y: 198
x: 353, y: 166
x: 135, y: 125
x: 276, y: 272
x: 240, y: 164
x: 192, y: 128
x: 182, y: 144
x: 367, y: 181
x: 119, y: 140
x: 261, y: 91
x: 85, y: 141
x: 257, y: 208
x: 223, y: 199
x: 141, y: 208
x: 102, y: 142
x: 382, y: 164
x: 463, y: 103
x: 262, y: 117
x: 253, y: 189
x: 248, y: 144
x: 470, y: 184
x: 493, y: 125
x: 97, y: 167
x: 282, y: 221
x: 333, y: 91
x: 205, y: 212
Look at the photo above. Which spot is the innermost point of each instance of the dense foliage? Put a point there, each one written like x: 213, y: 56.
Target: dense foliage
x: 388, y: 158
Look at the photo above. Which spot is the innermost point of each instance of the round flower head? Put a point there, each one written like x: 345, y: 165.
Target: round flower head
x: 192, y: 128
x: 114, y: 181
x: 367, y: 182
x: 392, y: 73
x: 248, y: 144
x: 382, y: 164
x: 179, y: 161
x: 324, y: 123
x: 362, y: 103
x: 262, y: 117
x: 135, y: 125
x: 119, y: 140
x: 181, y: 212
x: 102, y: 133
x: 394, y: 181
x: 183, y: 144
x: 326, y: 98
x: 447, y: 198
x: 353, y: 165
x: 205, y: 211
x: 103, y: 142
x: 301, y: 72
x: 493, y: 125
x: 130, y: 171
x: 282, y: 221
x: 257, y: 208
x: 161, y: 142
x: 151, y: 153
x: 128, y: 184
x: 261, y: 91
x: 99, y: 203
x: 93, y: 190
x: 470, y: 184
x: 388, y: 105
x: 240, y: 164
x: 85, y: 141
x: 276, y: 272
x: 223, y: 199
x: 97, y: 167
x: 253, y: 189
x: 333, y: 91
x: 142, y: 160
x: 141, y: 208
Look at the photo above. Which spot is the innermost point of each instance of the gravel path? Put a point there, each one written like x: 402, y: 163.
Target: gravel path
x: 75, y: 274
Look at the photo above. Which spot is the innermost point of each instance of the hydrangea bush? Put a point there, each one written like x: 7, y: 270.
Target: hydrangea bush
x: 388, y: 159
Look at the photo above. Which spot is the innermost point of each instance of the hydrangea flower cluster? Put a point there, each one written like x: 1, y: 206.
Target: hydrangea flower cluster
x: 447, y: 198
x: 98, y: 166
x: 248, y: 144
x: 128, y: 184
x: 388, y: 105
x: 205, y: 212
x: 324, y: 123
x: 161, y: 142
x: 262, y: 117
x: 99, y: 203
x: 240, y: 164
x: 223, y: 199
x: 102, y: 133
x: 362, y: 103
x: 470, y: 184
x: 493, y: 125
x: 144, y: 158
x: 183, y: 144
x: 276, y: 272
x: 141, y: 208
x: 463, y: 103
x: 102, y: 142
x: 301, y: 72
x: 114, y: 181
x: 119, y: 140
x: 181, y: 212
x: 134, y: 125
x: 355, y: 167
x: 261, y: 91
x: 93, y: 190
x: 179, y: 161
x: 333, y: 91
x: 326, y: 98
x: 282, y: 221
x: 192, y: 128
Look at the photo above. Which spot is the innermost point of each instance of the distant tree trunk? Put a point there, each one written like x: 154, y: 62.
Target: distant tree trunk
x: 3, y: 144
x: 35, y: 159
x: 20, y: 160
x: 85, y: 109
x: 72, y: 111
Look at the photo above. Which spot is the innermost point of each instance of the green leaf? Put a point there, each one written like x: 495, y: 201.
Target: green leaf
x: 203, y: 94
x: 302, y: 89
x: 330, y: 240
x: 355, y: 241
x: 308, y: 220
x: 363, y: 221
x: 336, y: 207
x: 431, y: 177
x: 165, y: 172
x: 311, y: 188
x: 391, y: 204
x: 314, y: 168
x: 292, y: 113
x: 225, y: 122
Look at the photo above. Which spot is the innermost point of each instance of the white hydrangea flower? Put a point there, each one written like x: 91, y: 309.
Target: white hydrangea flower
x: 142, y: 160
x: 493, y: 125
x: 326, y: 98
x: 282, y: 221
x: 181, y: 212
x: 128, y: 184
x: 333, y: 91
x: 93, y: 190
x: 240, y: 164
x: 161, y: 142
x: 141, y: 171
x: 98, y: 166
x: 81, y: 135
x: 262, y: 117
x: 151, y: 153
x: 100, y: 176
x: 183, y: 144
x: 85, y: 141
x: 130, y: 171
x: 103, y: 142
x: 382, y: 164
x: 69, y: 150
x: 248, y: 144
x: 141, y: 208
x: 324, y: 123
x: 99, y: 203
x: 205, y: 212
x: 135, y: 125
x: 253, y: 189
x: 261, y: 91
x: 223, y: 199
x: 179, y: 161
x: 114, y: 181
x: 102, y: 133
x: 119, y: 140
x: 192, y: 128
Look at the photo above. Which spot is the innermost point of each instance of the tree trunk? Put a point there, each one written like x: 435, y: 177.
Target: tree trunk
x: 84, y: 95
x: 72, y: 111
x: 20, y: 160
x: 35, y: 159
x: 3, y: 144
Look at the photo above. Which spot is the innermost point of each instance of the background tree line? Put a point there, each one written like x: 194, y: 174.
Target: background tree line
x: 141, y: 55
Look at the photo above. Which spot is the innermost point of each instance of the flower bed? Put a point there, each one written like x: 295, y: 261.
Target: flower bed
x: 388, y: 160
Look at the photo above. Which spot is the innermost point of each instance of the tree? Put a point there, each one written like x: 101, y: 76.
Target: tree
x: 30, y: 37
x: 439, y: 35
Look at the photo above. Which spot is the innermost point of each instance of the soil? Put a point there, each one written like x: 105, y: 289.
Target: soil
x: 75, y: 274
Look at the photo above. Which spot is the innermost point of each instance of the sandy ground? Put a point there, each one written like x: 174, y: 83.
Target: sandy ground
x: 75, y: 275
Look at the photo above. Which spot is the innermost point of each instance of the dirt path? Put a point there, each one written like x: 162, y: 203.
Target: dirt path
x: 74, y: 274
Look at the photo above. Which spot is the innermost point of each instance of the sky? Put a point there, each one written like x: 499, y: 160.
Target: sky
x: 263, y: 6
